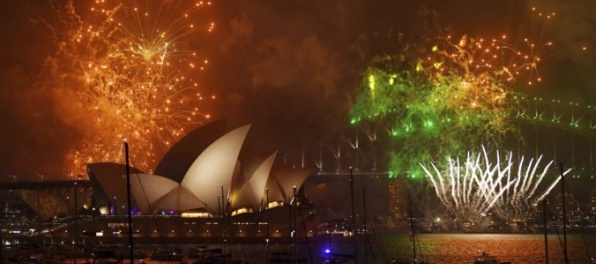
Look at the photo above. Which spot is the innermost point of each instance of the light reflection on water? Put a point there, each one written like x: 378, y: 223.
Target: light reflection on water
x: 516, y: 248
x: 436, y: 248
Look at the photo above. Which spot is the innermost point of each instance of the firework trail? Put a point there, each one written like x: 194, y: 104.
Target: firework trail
x: 518, y: 202
x: 127, y: 70
x: 482, y: 184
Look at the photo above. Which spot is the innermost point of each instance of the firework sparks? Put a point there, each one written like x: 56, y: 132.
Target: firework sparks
x: 481, y: 183
x: 445, y: 91
x: 130, y: 69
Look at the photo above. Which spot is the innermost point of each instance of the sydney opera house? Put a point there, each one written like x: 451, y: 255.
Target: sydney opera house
x: 203, y: 172
x: 207, y: 187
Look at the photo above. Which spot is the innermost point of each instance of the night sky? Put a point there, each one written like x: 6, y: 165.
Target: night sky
x: 292, y: 67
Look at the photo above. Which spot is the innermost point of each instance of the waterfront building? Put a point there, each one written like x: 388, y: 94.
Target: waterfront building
x: 397, y: 199
x: 572, y: 207
x: 206, y: 187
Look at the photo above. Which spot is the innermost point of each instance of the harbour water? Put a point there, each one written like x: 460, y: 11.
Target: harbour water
x: 459, y: 248
x: 516, y: 248
x: 433, y: 247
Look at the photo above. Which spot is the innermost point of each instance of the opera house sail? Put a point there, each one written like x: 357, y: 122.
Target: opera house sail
x: 202, y: 173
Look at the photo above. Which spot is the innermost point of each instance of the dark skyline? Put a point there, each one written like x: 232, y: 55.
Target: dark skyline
x: 292, y: 68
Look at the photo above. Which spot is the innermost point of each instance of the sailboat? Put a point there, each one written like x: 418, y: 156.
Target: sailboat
x: 418, y: 259
x: 485, y: 258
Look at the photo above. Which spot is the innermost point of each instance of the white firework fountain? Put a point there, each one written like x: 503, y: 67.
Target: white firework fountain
x: 483, y: 184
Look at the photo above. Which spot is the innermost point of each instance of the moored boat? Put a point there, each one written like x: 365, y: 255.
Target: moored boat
x: 167, y: 254
x: 105, y: 255
x: 486, y: 258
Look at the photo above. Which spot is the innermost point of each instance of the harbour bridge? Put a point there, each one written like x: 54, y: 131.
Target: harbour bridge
x: 561, y: 132
x: 564, y: 132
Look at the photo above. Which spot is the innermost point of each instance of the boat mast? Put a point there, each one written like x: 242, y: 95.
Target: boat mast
x: 76, y: 224
x: 268, y: 231
x: 1, y: 236
x: 544, y: 207
x: 224, y: 222
x: 564, y: 216
x: 353, y: 214
x: 130, y: 245
x: 365, y: 227
x: 295, y: 229
x: 412, y: 227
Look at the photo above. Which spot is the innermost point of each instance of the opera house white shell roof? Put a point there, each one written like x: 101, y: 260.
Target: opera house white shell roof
x: 209, y: 173
x: 252, y: 192
x: 214, y: 168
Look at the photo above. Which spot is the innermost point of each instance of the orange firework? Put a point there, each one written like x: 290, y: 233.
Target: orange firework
x: 496, y: 58
x: 131, y: 68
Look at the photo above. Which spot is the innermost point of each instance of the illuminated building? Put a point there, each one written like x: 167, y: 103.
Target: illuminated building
x: 396, y: 199
x: 572, y: 207
x: 201, y: 174
x: 202, y: 189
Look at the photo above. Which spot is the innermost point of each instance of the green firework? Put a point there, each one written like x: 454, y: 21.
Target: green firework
x: 440, y: 103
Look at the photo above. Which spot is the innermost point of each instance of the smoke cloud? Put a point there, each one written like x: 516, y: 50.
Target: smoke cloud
x: 289, y: 67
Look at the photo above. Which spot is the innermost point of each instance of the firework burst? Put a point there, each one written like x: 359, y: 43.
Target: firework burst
x: 448, y: 94
x: 130, y: 71
x: 483, y: 183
